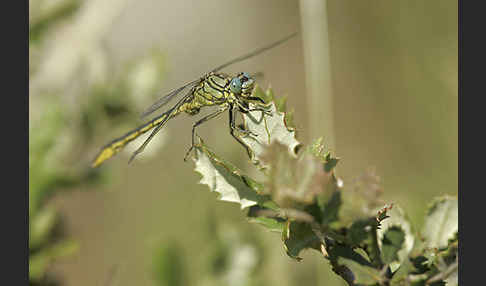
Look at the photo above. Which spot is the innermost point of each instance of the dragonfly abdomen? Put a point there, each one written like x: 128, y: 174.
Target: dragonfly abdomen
x: 115, y: 146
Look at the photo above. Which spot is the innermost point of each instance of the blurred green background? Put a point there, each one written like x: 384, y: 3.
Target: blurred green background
x: 95, y: 65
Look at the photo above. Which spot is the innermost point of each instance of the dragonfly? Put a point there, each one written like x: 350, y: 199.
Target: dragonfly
x: 215, y: 88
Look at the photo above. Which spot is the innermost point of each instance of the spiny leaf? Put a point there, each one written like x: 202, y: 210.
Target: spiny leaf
x: 441, y: 222
x: 363, y: 274
x: 336, y: 251
x: 267, y: 97
x: 331, y: 208
x: 269, y: 223
x: 225, y: 179
x: 362, y: 233
x: 449, y: 254
x: 267, y: 129
x: 383, y: 213
x: 420, y: 264
x: 267, y: 217
x: 359, y: 231
x: 329, y: 199
x: 317, y: 148
x: 292, y: 182
x: 281, y: 104
x: 401, y: 273
x: 298, y: 236
x: 397, y: 218
x: 448, y: 262
x: 392, y: 241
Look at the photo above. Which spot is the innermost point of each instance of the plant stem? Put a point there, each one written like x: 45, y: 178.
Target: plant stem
x: 317, y: 69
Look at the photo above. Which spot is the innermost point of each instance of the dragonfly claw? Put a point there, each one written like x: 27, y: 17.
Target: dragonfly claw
x: 247, y: 132
x: 192, y: 147
x: 188, y: 152
x: 269, y: 113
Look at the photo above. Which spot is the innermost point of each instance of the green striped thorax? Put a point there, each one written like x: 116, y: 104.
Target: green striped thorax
x: 218, y: 86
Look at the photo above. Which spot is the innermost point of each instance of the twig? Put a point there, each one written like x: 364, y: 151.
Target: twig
x: 443, y: 275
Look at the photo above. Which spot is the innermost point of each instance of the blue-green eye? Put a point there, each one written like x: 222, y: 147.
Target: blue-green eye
x: 235, y: 85
x: 246, y: 75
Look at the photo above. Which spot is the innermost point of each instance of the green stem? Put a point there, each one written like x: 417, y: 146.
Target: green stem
x: 317, y: 69
x: 375, y: 251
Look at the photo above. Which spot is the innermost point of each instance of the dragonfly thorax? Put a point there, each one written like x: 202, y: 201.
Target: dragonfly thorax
x: 216, y: 88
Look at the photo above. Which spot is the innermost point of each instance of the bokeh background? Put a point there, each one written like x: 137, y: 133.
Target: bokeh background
x: 95, y: 65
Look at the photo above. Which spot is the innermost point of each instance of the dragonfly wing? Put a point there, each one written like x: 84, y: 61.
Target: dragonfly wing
x: 255, y: 52
x: 165, y: 99
x: 170, y: 113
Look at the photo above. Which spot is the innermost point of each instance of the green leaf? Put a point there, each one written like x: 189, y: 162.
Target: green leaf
x: 383, y: 213
x: 40, y: 226
x: 225, y: 179
x: 330, y: 163
x: 397, y: 218
x: 39, y: 261
x: 267, y: 129
x: 298, y: 236
x: 292, y: 182
x: 281, y: 103
x: 392, y: 242
x: 441, y: 222
x: 168, y: 266
x: 266, y: 217
x: 331, y: 208
x: 448, y: 262
x: 439, y: 283
x: 317, y: 149
x: 363, y: 274
x: 359, y: 231
x: 269, y: 223
x: 401, y: 273
x: 40, y: 24
x: 420, y: 264
x: 358, y: 255
x: 266, y: 96
x: 362, y: 233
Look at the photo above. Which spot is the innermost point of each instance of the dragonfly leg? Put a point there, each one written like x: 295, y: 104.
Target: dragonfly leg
x: 258, y: 108
x: 247, y: 132
x: 232, y: 131
x: 255, y: 98
x: 199, y: 122
x: 142, y: 147
x: 267, y: 112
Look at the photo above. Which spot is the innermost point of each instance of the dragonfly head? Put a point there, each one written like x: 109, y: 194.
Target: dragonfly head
x: 242, y: 84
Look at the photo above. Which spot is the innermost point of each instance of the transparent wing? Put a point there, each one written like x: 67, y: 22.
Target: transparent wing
x: 162, y: 101
x: 255, y: 52
x: 163, y: 120
x: 165, y: 99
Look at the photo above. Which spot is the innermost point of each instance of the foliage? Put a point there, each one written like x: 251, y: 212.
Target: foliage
x: 228, y: 258
x: 303, y: 199
x: 65, y: 117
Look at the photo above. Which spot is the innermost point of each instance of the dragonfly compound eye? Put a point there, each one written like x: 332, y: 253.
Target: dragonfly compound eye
x: 246, y: 75
x: 235, y: 85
